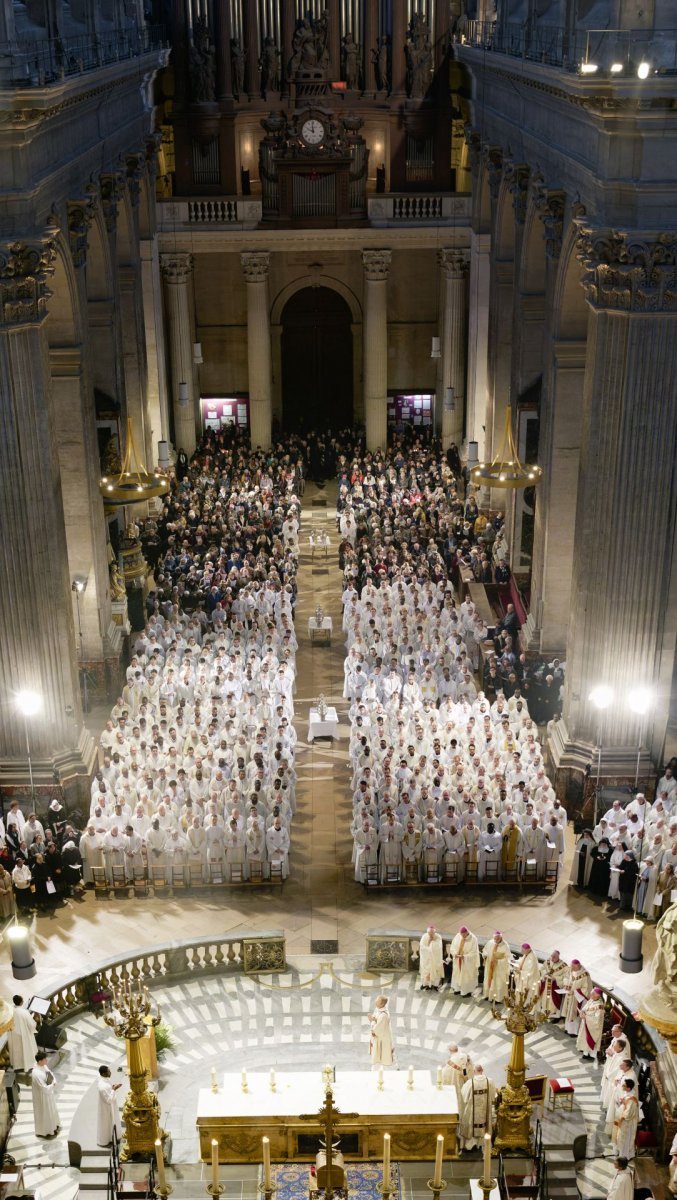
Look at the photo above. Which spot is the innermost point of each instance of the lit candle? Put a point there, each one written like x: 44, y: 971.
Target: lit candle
x: 272, y: 1080
x: 386, y: 1160
x: 244, y: 1080
x: 380, y: 1077
x: 487, y: 1160
x: 160, y: 1158
x: 410, y: 1077
x: 266, y: 1164
x: 439, y: 1154
x: 214, y: 1083
x: 215, y: 1165
x: 439, y: 1077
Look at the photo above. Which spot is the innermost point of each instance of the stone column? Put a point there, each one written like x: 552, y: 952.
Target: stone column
x: 335, y: 39
x: 255, y: 265
x: 37, y: 639
x: 376, y: 265
x: 252, y: 78
x: 222, y: 36
x: 454, y: 266
x: 158, y: 414
x: 620, y: 633
x: 134, y: 361
x: 286, y: 35
x: 478, y: 337
x: 370, y: 44
x: 176, y: 269
x: 397, y: 41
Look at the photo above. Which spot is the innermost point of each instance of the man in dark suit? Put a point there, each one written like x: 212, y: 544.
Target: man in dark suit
x: 508, y: 625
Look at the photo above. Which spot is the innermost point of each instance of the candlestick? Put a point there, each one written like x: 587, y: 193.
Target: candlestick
x: 273, y: 1085
x: 439, y: 1079
x: 214, y: 1187
x: 486, y: 1181
x: 245, y: 1087
x: 410, y: 1078
x: 266, y: 1163
x: 215, y: 1086
x: 439, y: 1154
x: 380, y: 1079
x: 386, y: 1161
x: 163, y: 1189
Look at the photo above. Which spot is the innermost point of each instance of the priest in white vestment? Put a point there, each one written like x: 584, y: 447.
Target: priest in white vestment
x: 457, y: 1070
x: 277, y: 845
x: 622, y: 1186
x: 21, y: 1044
x: 477, y: 1104
x: 465, y: 956
x: 496, y: 957
x: 527, y: 973
x: 381, y: 1035
x: 578, y: 986
x: 431, y: 967
x: 107, y: 1112
x: 626, y: 1120
x: 91, y: 852
x: 113, y: 850
x: 43, y: 1087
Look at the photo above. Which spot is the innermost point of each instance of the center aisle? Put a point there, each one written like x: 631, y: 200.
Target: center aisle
x: 321, y: 849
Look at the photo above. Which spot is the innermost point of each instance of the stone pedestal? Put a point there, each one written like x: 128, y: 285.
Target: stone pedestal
x: 453, y: 264
x: 376, y: 265
x: 255, y: 265
x: 176, y: 270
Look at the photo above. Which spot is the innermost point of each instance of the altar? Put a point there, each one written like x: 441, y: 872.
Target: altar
x: 412, y: 1116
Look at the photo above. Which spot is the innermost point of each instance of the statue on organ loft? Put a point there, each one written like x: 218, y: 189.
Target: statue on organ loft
x: 419, y: 56
x: 237, y: 58
x: 351, y: 61
x: 310, y: 48
x: 269, y: 65
x: 201, y: 65
x: 381, y: 60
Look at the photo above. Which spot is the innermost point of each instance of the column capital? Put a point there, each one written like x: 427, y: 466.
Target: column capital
x: 627, y: 270
x: 376, y: 264
x: 24, y: 269
x: 255, y: 265
x: 517, y: 178
x: 135, y: 165
x: 454, y: 263
x: 80, y: 214
x: 493, y: 158
x: 549, y: 204
x: 474, y: 143
x: 176, y: 266
x: 111, y: 184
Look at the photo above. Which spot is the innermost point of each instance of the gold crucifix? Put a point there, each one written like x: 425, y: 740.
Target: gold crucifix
x: 327, y: 1118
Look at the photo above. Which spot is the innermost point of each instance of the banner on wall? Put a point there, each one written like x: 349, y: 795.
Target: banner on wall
x: 410, y: 408
x: 220, y: 411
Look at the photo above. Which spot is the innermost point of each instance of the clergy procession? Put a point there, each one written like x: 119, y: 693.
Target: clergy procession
x: 448, y: 785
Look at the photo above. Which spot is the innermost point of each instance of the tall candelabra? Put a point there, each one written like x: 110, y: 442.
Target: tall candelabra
x: 130, y: 1016
x: 513, y: 1115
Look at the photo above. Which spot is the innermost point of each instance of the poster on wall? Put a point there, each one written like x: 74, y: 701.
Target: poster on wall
x: 218, y: 412
x: 410, y: 408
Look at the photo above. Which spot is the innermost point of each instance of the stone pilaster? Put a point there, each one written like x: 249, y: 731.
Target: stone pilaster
x: 37, y: 641
x: 376, y: 265
x: 454, y: 268
x: 478, y: 337
x: 621, y: 633
x: 176, y: 269
x: 255, y: 266
x: 134, y: 361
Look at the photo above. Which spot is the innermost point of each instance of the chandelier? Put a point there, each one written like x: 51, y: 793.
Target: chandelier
x: 133, y: 483
x: 505, y: 469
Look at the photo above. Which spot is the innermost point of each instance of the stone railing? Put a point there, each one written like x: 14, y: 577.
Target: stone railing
x: 212, y: 212
x: 163, y: 965
x: 590, y: 52
x: 417, y: 208
x: 398, y: 950
x: 36, y: 62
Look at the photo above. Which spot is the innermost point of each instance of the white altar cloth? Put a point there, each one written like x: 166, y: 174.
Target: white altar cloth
x: 318, y: 728
x: 303, y: 1092
x: 325, y: 630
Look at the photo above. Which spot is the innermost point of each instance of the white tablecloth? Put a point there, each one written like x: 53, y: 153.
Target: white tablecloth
x: 326, y: 728
x: 302, y: 1092
x: 327, y: 627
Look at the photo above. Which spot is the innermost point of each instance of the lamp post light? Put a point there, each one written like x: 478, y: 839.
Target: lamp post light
x: 79, y: 586
x: 29, y: 704
x: 601, y: 697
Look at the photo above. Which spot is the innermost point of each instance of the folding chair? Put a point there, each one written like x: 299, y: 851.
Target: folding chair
x: 276, y: 870
x: 178, y: 876
x: 195, y: 875
x: 215, y: 871
x: 510, y: 874
x: 392, y: 873
x: 551, y: 873
x: 236, y: 873
x: 101, y: 884
x: 159, y: 879
x: 491, y: 870
x: 530, y: 871
x: 471, y: 872
x: 451, y: 870
x: 255, y: 870
x: 432, y: 871
x: 120, y: 882
x: 410, y: 870
x: 140, y: 881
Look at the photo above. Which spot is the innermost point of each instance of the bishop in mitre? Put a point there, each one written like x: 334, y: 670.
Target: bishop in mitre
x: 465, y: 957
x: 592, y: 1025
x: 496, y: 957
x: 457, y: 1070
x: 431, y: 967
x: 527, y: 974
x: 477, y: 1108
x: 381, y: 1036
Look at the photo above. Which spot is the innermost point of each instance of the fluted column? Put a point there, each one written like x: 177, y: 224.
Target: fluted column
x: 255, y: 265
x: 370, y: 44
x: 478, y: 337
x: 222, y: 36
x: 454, y: 265
x: 253, y: 48
x: 176, y: 269
x: 621, y: 632
x: 376, y: 265
x: 398, y: 39
x: 37, y: 639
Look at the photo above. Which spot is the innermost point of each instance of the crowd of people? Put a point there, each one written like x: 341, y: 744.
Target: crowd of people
x: 447, y: 783
x: 630, y: 857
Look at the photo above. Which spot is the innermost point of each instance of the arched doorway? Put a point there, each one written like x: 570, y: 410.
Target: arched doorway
x: 317, y: 360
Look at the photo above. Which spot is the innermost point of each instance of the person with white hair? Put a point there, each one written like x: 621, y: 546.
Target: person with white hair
x: 381, y: 1047
x: 431, y: 967
x: 496, y: 955
x: 465, y: 957
x: 477, y: 1109
x: 526, y: 974
x: 456, y: 1070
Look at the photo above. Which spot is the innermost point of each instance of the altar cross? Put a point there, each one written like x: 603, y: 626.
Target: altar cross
x: 326, y: 1117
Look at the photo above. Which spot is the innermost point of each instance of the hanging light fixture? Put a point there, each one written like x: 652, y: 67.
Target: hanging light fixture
x: 197, y: 354
x: 133, y: 483
x: 449, y: 400
x: 435, y: 351
x: 505, y: 470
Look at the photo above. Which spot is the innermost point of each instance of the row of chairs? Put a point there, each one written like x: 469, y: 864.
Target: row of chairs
x: 446, y: 872
x: 177, y: 877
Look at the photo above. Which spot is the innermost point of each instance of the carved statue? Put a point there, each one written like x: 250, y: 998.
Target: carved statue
x: 117, y: 587
x: 664, y: 965
x: 381, y: 60
x: 310, y: 47
x: 419, y: 56
x: 201, y: 65
x: 350, y: 54
x: 269, y: 64
x: 238, y: 57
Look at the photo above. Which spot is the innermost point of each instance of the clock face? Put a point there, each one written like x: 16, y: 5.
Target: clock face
x: 312, y: 132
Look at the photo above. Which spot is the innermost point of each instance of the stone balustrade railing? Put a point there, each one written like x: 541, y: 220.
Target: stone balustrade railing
x: 38, y: 62
x: 418, y: 208
x: 212, y: 212
x: 590, y: 52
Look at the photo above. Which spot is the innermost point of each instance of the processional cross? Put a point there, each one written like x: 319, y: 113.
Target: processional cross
x: 326, y: 1117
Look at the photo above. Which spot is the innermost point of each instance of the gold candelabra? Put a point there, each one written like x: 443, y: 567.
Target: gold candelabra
x: 513, y: 1115
x: 130, y: 1017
